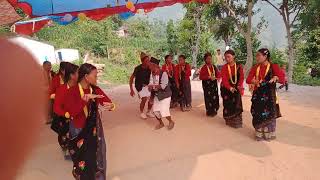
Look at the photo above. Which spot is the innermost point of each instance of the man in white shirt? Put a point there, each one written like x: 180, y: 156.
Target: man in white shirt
x: 220, y: 62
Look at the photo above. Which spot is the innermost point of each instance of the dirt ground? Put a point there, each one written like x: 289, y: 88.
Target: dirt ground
x: 199, y: 148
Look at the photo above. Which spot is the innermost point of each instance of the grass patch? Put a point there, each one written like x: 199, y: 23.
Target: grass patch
x: 116, y: 74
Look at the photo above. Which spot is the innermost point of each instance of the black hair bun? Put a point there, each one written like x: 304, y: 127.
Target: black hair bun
x: 265, y: 52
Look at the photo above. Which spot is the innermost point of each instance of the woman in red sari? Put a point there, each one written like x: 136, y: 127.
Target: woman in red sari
x: 265, y: 110
x: 61, y: 117
x: 87, y: 145
x: 209, y: 74
x: 231, y: 90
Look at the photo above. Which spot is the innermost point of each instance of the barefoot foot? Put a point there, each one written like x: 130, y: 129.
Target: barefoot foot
x: 171, y: 125
x: 159, y: 126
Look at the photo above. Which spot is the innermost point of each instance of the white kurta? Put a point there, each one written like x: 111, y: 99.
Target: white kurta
x: 163, y: 106
x: 144, y: 92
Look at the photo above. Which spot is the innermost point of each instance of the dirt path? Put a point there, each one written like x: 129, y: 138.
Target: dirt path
x: 199, y: 148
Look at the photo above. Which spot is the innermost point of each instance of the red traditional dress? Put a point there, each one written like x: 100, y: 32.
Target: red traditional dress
x: 87, y: 146
x: 61, y: 118
x: 232, y: 77
x: 265, y: 106
x: 209, y: 74
x: 169, y: 68
x: 56, y: 82
x: 182, y: 78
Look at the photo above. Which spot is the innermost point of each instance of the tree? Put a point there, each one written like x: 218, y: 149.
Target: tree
x: 86, y: 36
x: 139, y: 28
x: 311, y: 50
x: 306, y: 37
x: 240, y: 47
x: 195, y: 48
x: 289, y: 11
x: 185, y: 35
x: 307, y: 50
x: 242, y: 13
x: 310, y: 16
x: 194, y: 14
x: 172, y: 38
x: 220, y: 22
x: 278, y: 56
x: 309, y: 31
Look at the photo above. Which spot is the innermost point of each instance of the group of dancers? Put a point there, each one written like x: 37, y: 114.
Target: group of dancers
x: 76, y: 102
x: 175, y: 89
x: 262, y: 81
x: 162, y: 88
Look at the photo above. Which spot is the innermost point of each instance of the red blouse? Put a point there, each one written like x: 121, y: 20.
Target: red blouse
x: 74, y: 104
x: 275, y: 69
x: 178, y: 70
x: 225, y: 75
x: 168, y: 68
x: 204, y: 73
x: 59, y: 106
x: 55, y: 83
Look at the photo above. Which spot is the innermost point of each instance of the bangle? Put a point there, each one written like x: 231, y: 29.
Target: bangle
x: 67, y: 115
x: 114, y: 107
x: 52, y: 96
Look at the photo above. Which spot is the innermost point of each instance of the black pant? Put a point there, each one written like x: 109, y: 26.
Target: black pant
x: 185, y: 94
x: 175, y: 91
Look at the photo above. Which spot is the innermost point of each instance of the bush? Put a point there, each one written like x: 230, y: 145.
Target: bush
x: 278, y: 56
x: 116, y: 74
x: 307, y: 47
x: 301, y: 77
x: 4, y: 30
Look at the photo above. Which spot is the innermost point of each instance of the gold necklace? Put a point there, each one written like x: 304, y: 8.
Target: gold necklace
x: 235, y: 73
x: 258, y: 72
x: 213, y: 73
x: 85, y: 109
